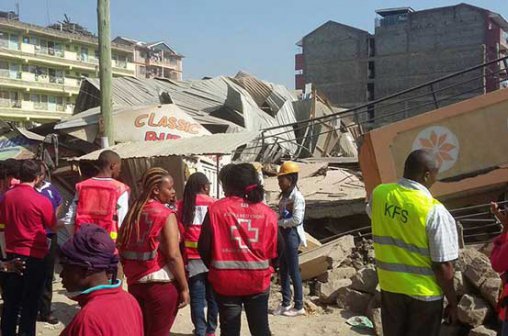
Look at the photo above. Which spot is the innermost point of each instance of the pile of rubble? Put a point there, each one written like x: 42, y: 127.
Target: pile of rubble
x: 351, y: 283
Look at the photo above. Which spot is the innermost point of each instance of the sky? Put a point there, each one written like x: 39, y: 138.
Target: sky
x: 221, y: 37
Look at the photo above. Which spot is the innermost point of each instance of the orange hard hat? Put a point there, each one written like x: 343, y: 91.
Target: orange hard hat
x: 288, y: 167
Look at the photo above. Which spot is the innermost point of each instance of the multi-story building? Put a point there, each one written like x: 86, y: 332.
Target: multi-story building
x: 156, y: 59
x: 41, y: 69
x: 408, y: 48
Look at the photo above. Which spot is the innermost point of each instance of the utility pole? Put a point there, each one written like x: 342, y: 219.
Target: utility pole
x: 105, y: 74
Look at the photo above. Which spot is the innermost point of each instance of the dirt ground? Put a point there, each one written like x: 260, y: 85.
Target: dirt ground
x: 331, y: 322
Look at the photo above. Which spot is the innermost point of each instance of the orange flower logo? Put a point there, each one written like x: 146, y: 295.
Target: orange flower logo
x: 442, y: 142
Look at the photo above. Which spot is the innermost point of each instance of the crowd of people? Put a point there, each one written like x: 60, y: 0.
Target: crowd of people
x: 218, y: 256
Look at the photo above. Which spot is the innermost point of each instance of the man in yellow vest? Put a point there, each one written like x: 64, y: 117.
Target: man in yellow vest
x: 415, y: 242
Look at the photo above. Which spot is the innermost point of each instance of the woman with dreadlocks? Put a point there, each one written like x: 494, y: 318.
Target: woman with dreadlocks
x: 192, y: 211
x: 150, y: 254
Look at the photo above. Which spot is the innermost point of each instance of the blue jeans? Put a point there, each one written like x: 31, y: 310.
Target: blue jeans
x: 201, y: 295
x: 289, y: 268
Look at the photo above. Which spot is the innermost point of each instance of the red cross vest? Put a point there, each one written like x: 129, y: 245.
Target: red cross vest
x: 244, y: 240
x: 97, y: 201
x: 141, y: 257
x: 193, y: 230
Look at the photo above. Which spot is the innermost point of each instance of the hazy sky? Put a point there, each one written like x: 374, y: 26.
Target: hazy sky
x: 220, y: 37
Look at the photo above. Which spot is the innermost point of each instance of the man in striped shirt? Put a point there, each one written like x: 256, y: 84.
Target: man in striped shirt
x: 415, y: 242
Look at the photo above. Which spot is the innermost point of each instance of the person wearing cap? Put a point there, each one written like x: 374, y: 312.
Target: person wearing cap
x: 89, y: 265
x: 291, y: 214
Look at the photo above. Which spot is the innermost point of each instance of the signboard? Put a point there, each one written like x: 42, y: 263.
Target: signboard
x: 463, y: 144
x: 155, y: 123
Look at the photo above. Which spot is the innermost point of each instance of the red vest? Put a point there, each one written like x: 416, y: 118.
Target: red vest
x: 193, y: 230
x: 244, y: 240
x: 141, y: 257
x: 97, y: 203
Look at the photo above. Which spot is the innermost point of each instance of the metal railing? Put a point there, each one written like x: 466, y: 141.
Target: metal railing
x: 449, y: 89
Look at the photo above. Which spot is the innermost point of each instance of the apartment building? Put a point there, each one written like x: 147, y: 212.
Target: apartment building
x: 408, y: 48
x: 41, y: 69
x: 154, y: 59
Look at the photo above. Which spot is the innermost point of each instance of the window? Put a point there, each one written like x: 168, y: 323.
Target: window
x: 60, y: 104
x: 14, y: 42
x: 15, y: 100
x: 4, y: 40
x: 84, y: 54
x: 4, y: 99
x: 40, y: 101
x: 142, y: 71
x: 4, y: 69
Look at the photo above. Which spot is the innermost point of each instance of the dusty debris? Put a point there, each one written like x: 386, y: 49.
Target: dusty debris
x: 473, y: 310
x: 482, y: 331
x: 490, y: 290
x: 316, y: 262
x: 329, y: 291
x: 365, y: 280
x: 352, y: 300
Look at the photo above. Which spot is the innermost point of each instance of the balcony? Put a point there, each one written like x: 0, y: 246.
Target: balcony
x: 28, y: 81
x: 27, y: 110
x: 71, y: 59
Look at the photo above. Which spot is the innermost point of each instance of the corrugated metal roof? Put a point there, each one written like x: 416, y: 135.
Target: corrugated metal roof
x: 223, y: 143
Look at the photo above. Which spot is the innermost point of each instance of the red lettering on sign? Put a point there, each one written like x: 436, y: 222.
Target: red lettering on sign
x: 154, y: 136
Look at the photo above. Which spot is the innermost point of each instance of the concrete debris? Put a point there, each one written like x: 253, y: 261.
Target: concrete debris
x: 310, y: 307
x: 490, y: 290
x: 473, y: 310
x: 329, y: 291
x: 316, y: 262
x: 365, y: 280
x: 479, y: 270
x: 458, y: 284
x: 342, y: 251
x: 354, y: 301
x: 375, y: 317
x: 482, y: 331
x: 337, y: 274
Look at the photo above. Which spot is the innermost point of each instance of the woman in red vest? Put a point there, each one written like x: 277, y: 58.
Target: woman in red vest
x: 499, y: 260
x: 238, y: 243
x: 150, y: 254
x: 192, y: 211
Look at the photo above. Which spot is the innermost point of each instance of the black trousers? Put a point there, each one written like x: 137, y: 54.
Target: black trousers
x: 256, y: 309
x: 21, y: 295
x: 403, y: 315
x: 47, y: 291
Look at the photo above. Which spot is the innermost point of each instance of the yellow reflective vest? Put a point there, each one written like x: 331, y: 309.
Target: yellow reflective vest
x: 399, y: 221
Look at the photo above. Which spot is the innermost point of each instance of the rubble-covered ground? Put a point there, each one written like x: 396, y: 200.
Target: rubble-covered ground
x: 322, y: 322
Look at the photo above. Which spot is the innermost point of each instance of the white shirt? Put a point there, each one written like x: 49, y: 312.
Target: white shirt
x: 441, y: 227
x: 298, y: 213
x: 122, y: 205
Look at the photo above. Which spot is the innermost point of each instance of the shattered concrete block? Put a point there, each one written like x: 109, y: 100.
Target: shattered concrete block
x: 337, y: 274
x: 341, y: 250
x: 482, y: 331
x: 473, y: 310
x: 490, y: 290
x: 365, y: 280
x: 375, y: 317
x: 355, y: 301
x: 458, y: 284
x: 328, y: 291
x: 478, y: 268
